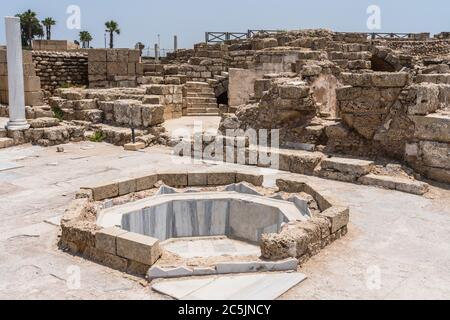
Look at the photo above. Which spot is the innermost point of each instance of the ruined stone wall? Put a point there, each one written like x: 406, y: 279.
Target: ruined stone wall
x: 61, y: 69
x: 389, y: 115
x: 32, y: 83
x: 110, y: 68
x: 54, y: 45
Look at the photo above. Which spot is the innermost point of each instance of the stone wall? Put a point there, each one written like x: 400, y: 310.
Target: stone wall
x: 56, y: 45
x: 61, y: 69
x: 110, y: 68
x: 396, y: 118
x: 32, y: 83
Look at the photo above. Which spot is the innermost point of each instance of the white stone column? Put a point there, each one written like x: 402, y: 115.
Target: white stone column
x: 16, y: 92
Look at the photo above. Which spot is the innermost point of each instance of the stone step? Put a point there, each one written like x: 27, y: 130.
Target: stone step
x: 195, y: 100
x: 6, y: 142
x: 200, y: 95
x: 347, y: 165
x: 153, y: 74
x: 196, y: 84
x: 3, y: 133
x: 396, y: 183
x: 203, y: 105
x: 441, y: 78
x: 202, y: 110
x: 212, y: 114
x: 152, y: 67
x: 200, y: 90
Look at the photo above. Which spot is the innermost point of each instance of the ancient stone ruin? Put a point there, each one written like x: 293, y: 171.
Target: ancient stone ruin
x: 351, y: 107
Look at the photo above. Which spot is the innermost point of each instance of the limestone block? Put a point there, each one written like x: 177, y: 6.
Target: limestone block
x: 221, y: 178
x: 32, y: 84
x: 135, y: 114
x: 338, y: 217
x: 174, y: 179
x: 432, y: 127
x: 105, y: 239
x: 437, y: 174
x: 122, y: 111
x: 305, y: 162
x: 197, y: 179
x: 347, y: 165
x: 134, y: 56
x: 158, y: 89
x: 139, y: 69
x: 146, y: 182
x: 427, y: 99
x: 152, y: 115
x: 43, y: 122
x: 139, y: 248
x: 151, y: 99
x: 34, y: 98
x: 105, y: 191
x: 96, y: 55
x: 435, y: 154
x: 256, y: 180
x: 117, y: 68
x: 117, y: 55
x: 85, y: 104
x: 376, y: 79
x: 97, y: 68
x: 134, y: 146
x: 293, y: 91
x: 127, y: 186
x: 131, y: 68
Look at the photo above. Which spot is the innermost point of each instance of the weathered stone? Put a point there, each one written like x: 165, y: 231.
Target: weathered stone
x: 105, y: 239
x: 338, y: 217
x: 139, y: 248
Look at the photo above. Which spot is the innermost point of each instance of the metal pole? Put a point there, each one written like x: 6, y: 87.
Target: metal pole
x: 156, y: 52
x: 175, y: 43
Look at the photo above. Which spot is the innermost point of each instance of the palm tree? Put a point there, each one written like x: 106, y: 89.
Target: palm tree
x: 30, y: 27
x: 85, y: 38
x: 112, y: 27
x: 48, y: 23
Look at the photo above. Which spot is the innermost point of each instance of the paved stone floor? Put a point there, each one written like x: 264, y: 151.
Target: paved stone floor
x: 397, y: 246
x: 210, y: 247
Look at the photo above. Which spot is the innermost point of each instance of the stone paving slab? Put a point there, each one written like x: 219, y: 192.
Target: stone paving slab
x: 247, y: 287
x: 9, y: 166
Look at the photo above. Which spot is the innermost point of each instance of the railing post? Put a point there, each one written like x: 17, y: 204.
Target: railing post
x: 206, y: 37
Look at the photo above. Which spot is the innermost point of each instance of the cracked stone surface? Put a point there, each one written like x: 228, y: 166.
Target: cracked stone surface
x: 397, y: 245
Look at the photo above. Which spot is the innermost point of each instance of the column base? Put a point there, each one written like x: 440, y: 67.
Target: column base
x: 17, y: 125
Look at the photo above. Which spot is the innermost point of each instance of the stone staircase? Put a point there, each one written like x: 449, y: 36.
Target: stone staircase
x: 200, y: 100
x: 5, y: 142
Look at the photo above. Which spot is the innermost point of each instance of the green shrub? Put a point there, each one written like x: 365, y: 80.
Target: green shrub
x: 97, y: 137
x: 58, y: 113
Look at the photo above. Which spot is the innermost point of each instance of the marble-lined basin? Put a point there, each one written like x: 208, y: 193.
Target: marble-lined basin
x: 232, y: 214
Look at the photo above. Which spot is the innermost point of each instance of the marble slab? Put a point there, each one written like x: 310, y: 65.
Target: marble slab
x: 267, y: 286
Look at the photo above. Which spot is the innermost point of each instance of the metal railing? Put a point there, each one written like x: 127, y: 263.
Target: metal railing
x: 391, y: 35
x: 216, y: 37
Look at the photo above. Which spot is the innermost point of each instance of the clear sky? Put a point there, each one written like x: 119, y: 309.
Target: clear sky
x: 143, y: 20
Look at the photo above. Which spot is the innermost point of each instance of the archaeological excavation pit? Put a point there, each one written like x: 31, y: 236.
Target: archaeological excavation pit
x: 182, y: 224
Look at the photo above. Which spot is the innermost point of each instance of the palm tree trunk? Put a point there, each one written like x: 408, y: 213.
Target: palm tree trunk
x: 111, y: 40
x: 29, y: 35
